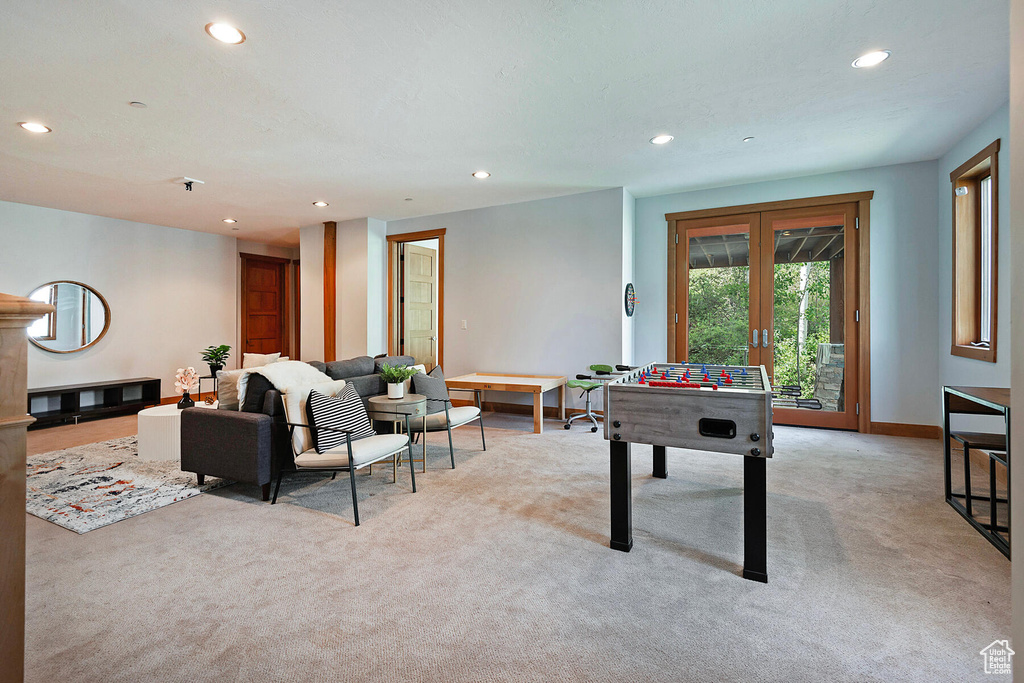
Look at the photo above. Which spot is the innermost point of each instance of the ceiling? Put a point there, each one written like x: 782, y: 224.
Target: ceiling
x: 363, y: 104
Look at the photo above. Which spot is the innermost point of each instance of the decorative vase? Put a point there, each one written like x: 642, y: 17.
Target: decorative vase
x: 215, y: 368
x: 396, y: 390
x: 186, y: 401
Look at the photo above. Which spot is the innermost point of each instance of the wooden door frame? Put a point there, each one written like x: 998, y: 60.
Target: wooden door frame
x: 863, y: 272
x: 283, y: 263
x: 393, y: 242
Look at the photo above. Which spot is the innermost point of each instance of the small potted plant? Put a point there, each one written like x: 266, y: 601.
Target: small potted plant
x: 215, y: 356
x: 395, y: 376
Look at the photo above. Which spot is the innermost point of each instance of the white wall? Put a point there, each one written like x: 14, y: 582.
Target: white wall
x: 628, y: 273
x: 351, y: 293
x: 956, y: 369
x: 171, y: 292
x: 538, y: 284
x: 904, y: 279
x: 1016, y: 263
x: 376, y: 286
x: 311, y: 292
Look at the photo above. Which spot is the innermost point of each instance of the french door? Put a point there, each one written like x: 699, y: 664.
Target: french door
x: 779, y: 289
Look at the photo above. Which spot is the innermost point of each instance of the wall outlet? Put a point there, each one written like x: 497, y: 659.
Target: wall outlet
x: 464, y: 325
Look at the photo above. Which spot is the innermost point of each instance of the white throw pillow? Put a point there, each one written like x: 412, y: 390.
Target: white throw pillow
x: 227, y: 389
x: 255, y: 360
x: 295, y: 409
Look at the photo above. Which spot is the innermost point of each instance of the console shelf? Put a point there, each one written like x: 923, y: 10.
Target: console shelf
x: 120, y: 397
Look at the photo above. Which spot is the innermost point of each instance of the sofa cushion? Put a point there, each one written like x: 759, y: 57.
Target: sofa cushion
x: 256, y: 387
x: 255, y: 360
x: 364, y: 451
x: 322, y: 367
x: 459, y: 415
x: 368, y: 385
x: 393, y: 361
x: 344, y: 411
x: 353, y: 367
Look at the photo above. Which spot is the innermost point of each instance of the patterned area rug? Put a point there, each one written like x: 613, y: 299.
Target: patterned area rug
x: 87, y: 487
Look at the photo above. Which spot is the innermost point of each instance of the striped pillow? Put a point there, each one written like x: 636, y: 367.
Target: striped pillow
x: 344, y: 412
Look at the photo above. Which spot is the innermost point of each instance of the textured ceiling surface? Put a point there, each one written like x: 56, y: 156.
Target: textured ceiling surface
x: 363, y: 104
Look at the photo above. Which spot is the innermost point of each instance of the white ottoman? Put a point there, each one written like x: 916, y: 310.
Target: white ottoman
x: 160, y: 432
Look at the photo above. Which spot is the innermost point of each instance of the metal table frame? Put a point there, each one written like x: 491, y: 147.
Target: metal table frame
x: 978, y: 401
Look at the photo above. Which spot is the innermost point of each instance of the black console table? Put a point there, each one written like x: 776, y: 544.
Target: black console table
x: 115, y: 400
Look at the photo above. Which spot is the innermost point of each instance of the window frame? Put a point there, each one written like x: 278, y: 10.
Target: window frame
x: 966, y: 332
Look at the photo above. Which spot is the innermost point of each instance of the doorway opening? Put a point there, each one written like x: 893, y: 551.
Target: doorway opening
x: 266, y: 292
x: 416, y: 296
x: 782, y: 285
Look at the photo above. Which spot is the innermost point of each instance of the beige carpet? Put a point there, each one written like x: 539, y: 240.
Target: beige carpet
x: 500, y: 571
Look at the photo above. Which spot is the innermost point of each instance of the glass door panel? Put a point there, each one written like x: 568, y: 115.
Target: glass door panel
x: 720, y: 292
x: 806, y: 315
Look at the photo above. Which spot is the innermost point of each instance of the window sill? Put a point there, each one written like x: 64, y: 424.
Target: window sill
x: 982, y: 353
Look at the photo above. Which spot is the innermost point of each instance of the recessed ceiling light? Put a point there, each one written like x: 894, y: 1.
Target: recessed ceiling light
x: 230, y: 220
x: 320, y: 204
x: 481, y: 175
x: 871, y: 59
x: 137, y: 105
x: 225, y: 33
x: 408, y: 199
x: 34, y: 127
x: 235, y: 229
x: 661, y: 139
x: 748, y: 138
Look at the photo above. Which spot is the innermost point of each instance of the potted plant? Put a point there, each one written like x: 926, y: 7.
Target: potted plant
x: 215, y: 356
x: 395, y: 376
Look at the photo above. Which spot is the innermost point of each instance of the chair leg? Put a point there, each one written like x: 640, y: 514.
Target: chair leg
x: 483, y: 439
x: 352, y: 480
x: 333, y: 475
x: 412, y: 467
x: 280, y: 473
x: 451, y: 447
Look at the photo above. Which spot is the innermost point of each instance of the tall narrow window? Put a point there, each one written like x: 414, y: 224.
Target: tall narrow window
x: 975, y: 191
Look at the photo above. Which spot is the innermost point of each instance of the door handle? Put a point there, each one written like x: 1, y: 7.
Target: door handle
x: 753, y: 344
x: 764, y: 338
x: 433, y: 339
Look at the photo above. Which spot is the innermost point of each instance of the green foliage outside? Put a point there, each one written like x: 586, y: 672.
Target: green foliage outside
x: 719, y: 327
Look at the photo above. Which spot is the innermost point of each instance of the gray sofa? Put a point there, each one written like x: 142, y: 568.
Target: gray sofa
x: 251, y: 445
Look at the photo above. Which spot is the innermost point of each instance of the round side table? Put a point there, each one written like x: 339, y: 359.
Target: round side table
x: 384, y: 409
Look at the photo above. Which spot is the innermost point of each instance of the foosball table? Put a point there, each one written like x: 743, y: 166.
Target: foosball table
x: 725, y: 409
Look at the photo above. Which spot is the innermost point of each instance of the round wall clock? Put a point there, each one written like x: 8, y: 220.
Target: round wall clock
x: 630, y: 299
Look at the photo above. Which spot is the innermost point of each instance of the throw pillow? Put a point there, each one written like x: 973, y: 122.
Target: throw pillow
x: 422, y: 369
x: 227, y: 389
x: 256, y: 388
x: 295, y: 409
x: 342, y: 412
x: 433, y: 387
x: 255, y: 360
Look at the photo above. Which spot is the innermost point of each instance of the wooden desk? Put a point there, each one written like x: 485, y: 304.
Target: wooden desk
x: 531, y: 384
x: 977, y: 401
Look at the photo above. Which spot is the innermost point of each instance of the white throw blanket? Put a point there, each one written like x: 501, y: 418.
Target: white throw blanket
x: 283, y: 375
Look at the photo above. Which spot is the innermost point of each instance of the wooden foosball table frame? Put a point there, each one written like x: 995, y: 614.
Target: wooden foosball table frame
x: 734, y: 418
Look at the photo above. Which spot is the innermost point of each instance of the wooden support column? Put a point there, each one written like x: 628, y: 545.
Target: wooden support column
x: 15, y: 315
x: 330, y: 290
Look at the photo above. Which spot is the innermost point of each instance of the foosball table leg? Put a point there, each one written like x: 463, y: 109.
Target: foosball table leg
x: 621, y: 496
x: 660, y: 466
x: 755, y: 520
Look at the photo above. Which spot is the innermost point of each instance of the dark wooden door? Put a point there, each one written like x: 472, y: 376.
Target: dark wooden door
x: 264, y: 304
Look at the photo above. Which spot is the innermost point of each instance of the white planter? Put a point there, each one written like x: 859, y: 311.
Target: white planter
x: 396, y: 390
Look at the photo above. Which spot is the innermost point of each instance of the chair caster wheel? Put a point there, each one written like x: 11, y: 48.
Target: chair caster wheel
x: 593, y: 429
x: 566, y: 426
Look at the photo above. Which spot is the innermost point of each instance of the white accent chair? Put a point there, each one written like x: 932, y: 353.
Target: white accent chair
x: 348, y: 457
x: 452, y: 417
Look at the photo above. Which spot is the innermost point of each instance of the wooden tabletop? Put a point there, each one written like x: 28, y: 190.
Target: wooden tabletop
x: 506, y: 382
x: 999, y: 396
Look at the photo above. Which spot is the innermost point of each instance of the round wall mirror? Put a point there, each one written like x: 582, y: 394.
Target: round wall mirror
x: 80, y: 320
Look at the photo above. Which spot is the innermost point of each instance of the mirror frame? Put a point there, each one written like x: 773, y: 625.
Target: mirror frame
x: 106, y: 310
